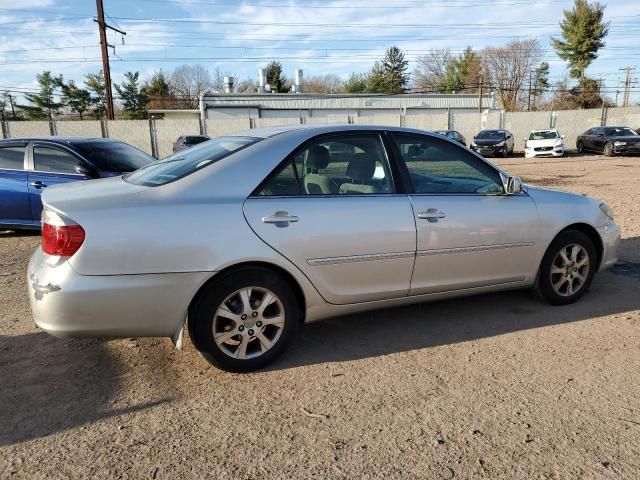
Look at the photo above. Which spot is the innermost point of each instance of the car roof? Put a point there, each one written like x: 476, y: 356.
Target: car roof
x: 66, y: 140
x: 544, y: 130
x: 312, y: 130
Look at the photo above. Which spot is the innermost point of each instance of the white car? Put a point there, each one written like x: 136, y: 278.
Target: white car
x: 542, y: 143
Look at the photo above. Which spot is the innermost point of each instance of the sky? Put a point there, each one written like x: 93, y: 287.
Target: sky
x: 338, y: 37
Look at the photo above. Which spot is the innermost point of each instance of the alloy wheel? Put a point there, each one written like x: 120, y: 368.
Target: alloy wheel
x: 248, y: 323
x: 570, y: 270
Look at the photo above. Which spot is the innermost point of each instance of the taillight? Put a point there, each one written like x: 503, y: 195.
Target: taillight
x: 61, y: 236
x: 61, y: 241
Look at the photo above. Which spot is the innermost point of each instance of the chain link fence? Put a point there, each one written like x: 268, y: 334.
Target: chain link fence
x: 156, y: 137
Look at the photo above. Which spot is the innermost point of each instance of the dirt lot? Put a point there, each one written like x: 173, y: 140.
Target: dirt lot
x: 495, y: 386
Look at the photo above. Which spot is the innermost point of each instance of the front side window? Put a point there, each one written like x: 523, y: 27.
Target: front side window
x: 437, y: 167
x: 354, y: 164
x: 186, y: 162
x: 12, y: 157
x: 54, y: 160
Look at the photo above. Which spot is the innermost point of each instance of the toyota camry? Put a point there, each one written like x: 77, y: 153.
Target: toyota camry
x: 242, y: 238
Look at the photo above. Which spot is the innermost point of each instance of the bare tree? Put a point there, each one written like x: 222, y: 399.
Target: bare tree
x: 328, y: 83
x: 508, y: 69
x: 189, y: 82
x: 433, y: 69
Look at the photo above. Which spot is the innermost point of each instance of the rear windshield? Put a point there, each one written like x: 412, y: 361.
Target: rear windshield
x: 113, y: 156
x: 491, y: 134
x: 188, y: 161
x: 543, y: 135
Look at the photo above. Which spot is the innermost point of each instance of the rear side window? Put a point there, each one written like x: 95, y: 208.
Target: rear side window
x: 195, y: 140
x: 12, y: 157
x: 188, y: 161
x: 113, y: 156
x: 46, y: 159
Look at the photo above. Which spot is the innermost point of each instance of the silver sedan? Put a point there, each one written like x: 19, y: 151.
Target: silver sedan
x: 244, y: 237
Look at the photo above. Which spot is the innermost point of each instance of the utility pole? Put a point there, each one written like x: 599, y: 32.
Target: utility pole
x: 480, y: 96
x: 530, y: 83
x: 627, y: 86
x: 102, y: 28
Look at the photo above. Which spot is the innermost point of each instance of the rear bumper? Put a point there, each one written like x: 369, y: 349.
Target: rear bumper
x: 610, y: 235
x: 67, y: 304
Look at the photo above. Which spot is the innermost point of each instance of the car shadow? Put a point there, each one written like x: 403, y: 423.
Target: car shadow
x: 51, y: 385
x: 18, y: 233
x: 446, y: 322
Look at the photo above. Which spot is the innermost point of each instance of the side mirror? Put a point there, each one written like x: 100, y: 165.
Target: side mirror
x: 85, y: 170
x: 508, y: 136
x: 562, y: 137
x: 513, y: 186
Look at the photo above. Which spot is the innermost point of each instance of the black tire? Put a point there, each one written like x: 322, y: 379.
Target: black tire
x: 608, y: 150
x: 579, y: 147
x: 202, y: 315
x: 505, y: 154
x: 545, y: 288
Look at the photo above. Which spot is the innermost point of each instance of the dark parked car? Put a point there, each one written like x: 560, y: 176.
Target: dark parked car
x: 188, y: 141
x: 453, y: 135
x: 493, y: 143
x: 29, y: 165
x: 609, y: 140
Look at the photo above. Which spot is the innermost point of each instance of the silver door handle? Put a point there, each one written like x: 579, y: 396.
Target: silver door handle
x: 280, y: 217
x: 431, y: 214
x: 38, y: 184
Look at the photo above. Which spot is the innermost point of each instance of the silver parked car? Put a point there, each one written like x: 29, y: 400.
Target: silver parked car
x: 244, y: 237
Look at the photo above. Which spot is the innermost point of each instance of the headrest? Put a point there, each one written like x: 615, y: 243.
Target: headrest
x: 362, y: 167
x: 413, y: 151
x: 319, y: 157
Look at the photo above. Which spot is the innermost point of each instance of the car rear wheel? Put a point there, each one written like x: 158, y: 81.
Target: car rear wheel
x: 244, y: 319
x: 608, y: 150
x: 567, y: 268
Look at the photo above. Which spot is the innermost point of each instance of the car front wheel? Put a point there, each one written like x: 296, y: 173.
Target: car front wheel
x: 567, y: 268
x: 608, y: 150
x: 244, y: 319
x: 579, y: 147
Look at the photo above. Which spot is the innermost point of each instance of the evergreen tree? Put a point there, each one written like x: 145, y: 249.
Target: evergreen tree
x: 583, y: 33
x: 134, y: 101
x: 43, y: 104
x: 356, y: 83
x: 275, y: 78
x: 158, y: 90
x: 394, y: 68
x: 378, y: 80
x: 95, y: 84
x: 76, y: 98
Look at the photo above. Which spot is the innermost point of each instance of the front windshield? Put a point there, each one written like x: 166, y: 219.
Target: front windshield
x: 188, y: 161
x: 543, y: 135
x: 491, y: 135
x: 112, y: 156
x: 619, y: 132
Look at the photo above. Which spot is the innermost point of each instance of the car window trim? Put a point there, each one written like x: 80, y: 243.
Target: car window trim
x: 380, y: 133
x: 54, y: 146
x: 407, y: 174
x: 25, y: 158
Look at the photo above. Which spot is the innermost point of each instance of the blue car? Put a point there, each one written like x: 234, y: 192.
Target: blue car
x: 29, y: 165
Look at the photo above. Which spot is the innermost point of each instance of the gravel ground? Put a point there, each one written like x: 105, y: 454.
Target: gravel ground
x: 494, y: 386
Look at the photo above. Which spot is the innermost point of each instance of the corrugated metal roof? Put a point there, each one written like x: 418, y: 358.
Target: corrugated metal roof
x: 303, y: 101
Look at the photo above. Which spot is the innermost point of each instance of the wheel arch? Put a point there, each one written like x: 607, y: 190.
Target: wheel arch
x: 590, y: 232
x: 295, y: 286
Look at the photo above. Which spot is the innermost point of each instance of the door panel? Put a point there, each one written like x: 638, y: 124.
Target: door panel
x: 14, y: 194
x: 51, y: 166
x: 479, y: 240
x: 352, y: 248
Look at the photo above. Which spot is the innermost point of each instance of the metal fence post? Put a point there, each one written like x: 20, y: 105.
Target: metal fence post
x: 52, y: 128
x: 449, y: 119
x: 5, y: 129
x: 104, y: 129
x: 603, y: 114
x: 203, y: 126
x: 153, y: 135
